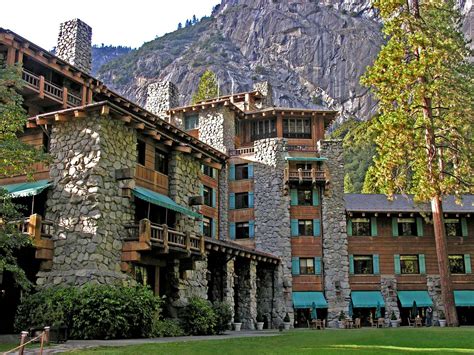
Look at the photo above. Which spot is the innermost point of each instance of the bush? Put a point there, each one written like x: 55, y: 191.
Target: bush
x: 167, y: 328
x: 198, y: 318
x: 91, y: 312
x: 223, y: 314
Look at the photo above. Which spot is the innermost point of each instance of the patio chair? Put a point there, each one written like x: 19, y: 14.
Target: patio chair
x: 357, y: 323
x: 380, y: 323
x: 411, y: 322
x: 320, y: 324
x: 372, y: 323
x: 418, y: 322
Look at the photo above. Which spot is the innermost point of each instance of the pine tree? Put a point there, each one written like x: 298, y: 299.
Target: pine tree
x: 424, y: 134
x: 207, y: 87
x: 180, y: 26
x: 194, y: 20
x: 348, y: 186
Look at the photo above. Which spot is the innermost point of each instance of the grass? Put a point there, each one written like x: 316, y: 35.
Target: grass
x: 364, y: 341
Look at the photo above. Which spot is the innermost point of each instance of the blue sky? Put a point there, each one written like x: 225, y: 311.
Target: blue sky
x: 124, y: 22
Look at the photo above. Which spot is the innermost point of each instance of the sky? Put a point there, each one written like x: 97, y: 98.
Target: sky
x: 116, y: 22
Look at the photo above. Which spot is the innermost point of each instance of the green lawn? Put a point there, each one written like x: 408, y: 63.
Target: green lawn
x: 365, y: 341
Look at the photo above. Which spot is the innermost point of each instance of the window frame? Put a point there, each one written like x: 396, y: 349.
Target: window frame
x: 459, y: 256
x: 207, y: 227
x: 358, y: 269
x: 307, y: 269
x: 164, y: 162
x: 141, y: 152
x: 401, y: 232
x: 207, y: 195
x: 305, y: 201
x: 240, y: 170
x: 457, y: 228
x: 242, y: 196
x: 304, y: 229
x: 195, y: 121
x: 208, y: 171
x: 241, y: 226
x: 405, y: 257
x: 356, y: 229
x: 299, y: 128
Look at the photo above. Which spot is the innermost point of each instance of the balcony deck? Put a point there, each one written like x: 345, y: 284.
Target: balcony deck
x: 305, y: 175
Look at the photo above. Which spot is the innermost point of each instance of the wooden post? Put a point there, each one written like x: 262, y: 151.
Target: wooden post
x: 313, y: 175
x: 46, y: 334
x: 64, y: 97
x: 300, y: 175
x: 34, y: 227
x: 24, y: 334
x: 11, y: 56
x: 144, y: 231
x: 84, y: 95
x: 202, y: 245
x: 188, y: 242
x: 41, y: 87
x: 165, y: 239
x: 20, y: 56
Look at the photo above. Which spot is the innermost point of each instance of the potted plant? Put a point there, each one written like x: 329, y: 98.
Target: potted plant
x: 237, y: 323
x: 393, y: 320
x: 342, y: 317
x: 287, y: 321
x: 442, y: 319
x: 260, y: 321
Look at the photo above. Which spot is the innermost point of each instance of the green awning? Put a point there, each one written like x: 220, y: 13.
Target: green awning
x: 306, y: 158
x: 306, y: 299
x: 367, y: 299
x: 464, y: 298
x: 26, y: 189
x: 163, y: 201
x: 421, y: 297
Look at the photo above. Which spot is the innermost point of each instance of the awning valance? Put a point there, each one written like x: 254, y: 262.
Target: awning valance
x: 163, y: 201
x: 25, y: 189
x: 464, y: 298
x: 305, y: 159
x: 367, y: 299
x: 306, y: 299
x: 422, y: 298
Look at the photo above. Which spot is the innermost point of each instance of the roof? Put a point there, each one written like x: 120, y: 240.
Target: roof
x: 401, y: 203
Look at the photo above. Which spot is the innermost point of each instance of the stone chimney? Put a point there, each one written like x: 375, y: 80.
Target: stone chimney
x: 75, y: 44
x: 266, y: 90
x: 161, y: 96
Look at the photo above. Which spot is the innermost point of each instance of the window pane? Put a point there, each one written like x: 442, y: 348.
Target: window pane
x: 305, y: 197
x: 361, y: 227
x: 409, y: 264
x: 453, y: 227
x: 305, y: 227
x: 206, y: 222
x: 207, y: 193
x: 306, y: 266
x: 241, y: 172
x: 241, y: 230
x: 191, y: 122
x: 363, y: 264
x: 456, y: 264
x: 161, y: 162
x: 242, y: 200
x: 141, y: 149
x: 407, y: 227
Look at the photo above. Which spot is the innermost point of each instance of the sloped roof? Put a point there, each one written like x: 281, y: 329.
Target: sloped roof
x: 400, y: 203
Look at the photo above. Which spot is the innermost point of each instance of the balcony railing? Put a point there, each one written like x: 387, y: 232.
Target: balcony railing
x: 242, y: 151
x: 300, y: 148
x: 43, y: 87
x: 301, y: 175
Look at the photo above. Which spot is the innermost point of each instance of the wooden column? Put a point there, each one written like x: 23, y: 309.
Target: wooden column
x: 279, y: 126
x: 34, y: 227
x: 65, y: 97
x: 165, y: 239
x: 11, y: 56
x: 144, y: 231
x: 41, y: 87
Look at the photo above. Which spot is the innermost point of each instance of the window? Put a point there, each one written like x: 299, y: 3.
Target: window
x: 297, y: 128
x: 453, y: 227
x: 263, y: 129
x: 207, y: 170
x: 456, y: 264
x: 363, y: 264
x: 307, y: 266
x: 207, y: 226
x: 242, y: 200
x: 242, y: 230
x: 305, y: 227
x: 406, y: 227
x: 361, y: 227
x: 191, y: 122
x: 305, y: 197
x: 409, y: 264
x: 141, y: 150
x: 241, y: 172
x: 161, y: 162
x: 207, y: 194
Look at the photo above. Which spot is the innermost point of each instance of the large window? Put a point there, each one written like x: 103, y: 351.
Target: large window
x: 141, y: 152
x: 456, y: 264
x: 242, y: 200
x: 297, y: 128
x: 263, y: 129
x: 241, y: 172
x: 207, y: 194
x: 207, y: 226
x: 305, y: 197
x: 306, y: 266
x: 305, y: 227
x: 191, y: 122
x: 407, y: 227
x: 242, y: 230
x: 207, y: 170
x: 161, y: 162
x: 409, y: 264
x: 361, y: 227
x: 453, y: 227
x: 363, y: 264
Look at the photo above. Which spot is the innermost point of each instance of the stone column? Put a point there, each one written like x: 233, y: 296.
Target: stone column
x: 247, y: 292
x: 266, y: 90
x: 434, y: 290
x: 161, y: 97
x: 85, y: 202
x: 217, y: 128
x: 75, y: 44
x: 272, y: 218
x: 223, y: 203
x: 335, y: 253
x: 229, y: 273
x: 388, y: 288
x: 265, y: 293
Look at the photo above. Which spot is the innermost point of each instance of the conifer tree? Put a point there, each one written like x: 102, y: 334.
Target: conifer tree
x: 207, y: 87
x: 424, y: 133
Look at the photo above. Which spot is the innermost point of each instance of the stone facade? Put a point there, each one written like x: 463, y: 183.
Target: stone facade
x: 434, y: 290
x: 388, y: 288
x: 272, y: 218
x: 223, y: 203
x: 217, y: 128
x: 335, y: 252
x: 265, y: 292
x: 75, y: 44
x: 246, y: 289
x: 86, y: 203
x: 266, y: 90
x: 161, y: 97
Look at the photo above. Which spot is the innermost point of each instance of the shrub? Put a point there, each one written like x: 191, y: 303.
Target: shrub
x: 198, y: 318
x: 167, y: 328
x: 91, y: 312
x: 287, y: 318
x: 223, y: 314
x: 393, y: 316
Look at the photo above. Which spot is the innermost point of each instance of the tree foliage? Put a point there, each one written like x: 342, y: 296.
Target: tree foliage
x: 207, y: 87
x: 425, y: 86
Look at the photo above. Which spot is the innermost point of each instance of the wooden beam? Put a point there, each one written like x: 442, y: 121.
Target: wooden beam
x: 215, y: 165
x: 79, y: 114
x: 138, y: 125
x: 104, y: 111
x: 126, y: 119
x: 31, y: 124
x: 207, y: 160
x: 60, y: 117
x: 168, y: 142
x: 183, y: 149
x: 42, y: 121
x: 197, y: 155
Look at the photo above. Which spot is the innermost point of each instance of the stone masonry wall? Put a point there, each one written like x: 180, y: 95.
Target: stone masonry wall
x: 85, y: 201
x: 161, y: 96
x: 74, y: 44
x: 266, y: 90
x: 388, y: 288
x: 272, y: 218
x: 247, y: 292
x: 335, y: 253
x: 434, y: 290
x: 223, y: 202
x: 217, y: 128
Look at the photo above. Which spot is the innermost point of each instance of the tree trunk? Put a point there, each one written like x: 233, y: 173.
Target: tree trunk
x: 443, y: 262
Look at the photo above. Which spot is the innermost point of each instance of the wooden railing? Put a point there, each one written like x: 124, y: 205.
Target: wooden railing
x: 242, y: 151
x: 151, y: 179
x: 304, y: 175
x: 300, y: 148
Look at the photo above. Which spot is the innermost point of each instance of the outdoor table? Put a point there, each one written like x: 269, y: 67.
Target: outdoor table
x: 349, y: 323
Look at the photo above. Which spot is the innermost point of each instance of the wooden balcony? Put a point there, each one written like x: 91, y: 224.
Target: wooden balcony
x: 151, y: 179
x: 302, y: 175
x: 46, y: 89
x: 242, y: 151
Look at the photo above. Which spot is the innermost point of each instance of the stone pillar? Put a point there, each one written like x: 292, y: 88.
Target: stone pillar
x: 388, y: 288
x: 85, y: 202
x: 217, y: 128
x: 162, y: 96
x: 272, y: 218
x: 75, y: 44
x: 434, y: 290
x: 266, y: 90
x: 223, y: 203
x: 229, y: 273
x: 247, y: 292
x: 265, y: 293
x: 335, y: 253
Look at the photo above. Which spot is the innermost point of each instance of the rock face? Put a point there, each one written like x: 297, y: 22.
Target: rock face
x: 74, y: 44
